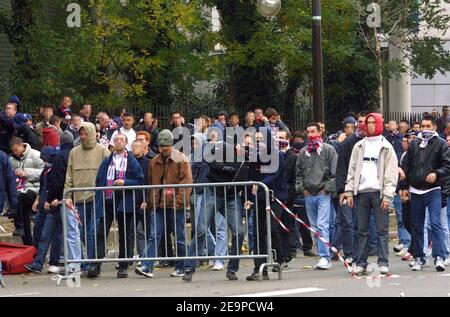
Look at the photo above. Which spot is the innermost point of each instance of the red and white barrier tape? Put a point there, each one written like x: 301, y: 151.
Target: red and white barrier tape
x: 279, y: 221
x: 327, y: 243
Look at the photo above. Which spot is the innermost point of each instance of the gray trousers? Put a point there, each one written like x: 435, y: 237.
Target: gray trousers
x: 365, y: 202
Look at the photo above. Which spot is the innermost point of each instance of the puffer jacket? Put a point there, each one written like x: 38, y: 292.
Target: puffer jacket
x: 32, y: 165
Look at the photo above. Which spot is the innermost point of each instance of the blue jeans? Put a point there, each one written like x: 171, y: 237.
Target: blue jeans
x: 403, y: 236
x: 345, y: 234
x: 318, y: 210
x: 368, y: 205
x: 73, y: 240
x: 373, y: 241
x: 230, y: 208
x: 175, y: 222
x: 419, y: 203
x: 332, y: 230
x: 51, y: 233
x: 87, y: 227
x: 446, y: 232
x: 39, y: 221
x: 221, y: 237
x: 211, y: 245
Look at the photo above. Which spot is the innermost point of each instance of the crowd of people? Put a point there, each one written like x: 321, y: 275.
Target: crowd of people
x: 342, y: 185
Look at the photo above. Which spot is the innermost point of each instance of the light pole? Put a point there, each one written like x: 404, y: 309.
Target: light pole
x: 318, y: 101
x: 269, y: 9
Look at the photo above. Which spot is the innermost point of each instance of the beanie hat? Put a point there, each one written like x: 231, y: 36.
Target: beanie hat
x: 165, y: 138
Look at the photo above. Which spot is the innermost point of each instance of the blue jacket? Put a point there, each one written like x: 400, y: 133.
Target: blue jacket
x: 396, y: 141
x: 275, y: 181
x: 8, y: 186
x: 133, y: 177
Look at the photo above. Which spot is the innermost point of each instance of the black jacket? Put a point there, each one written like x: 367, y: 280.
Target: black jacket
x: 57, y: 176
x: 225, y: 170
x: 6, y: 132
x: 345, y: 152
x: 290, y: 162
x: 28, y: 135
x: 419, y: 162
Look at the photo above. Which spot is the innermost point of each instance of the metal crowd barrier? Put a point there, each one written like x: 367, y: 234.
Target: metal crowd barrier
x: 98, y: 247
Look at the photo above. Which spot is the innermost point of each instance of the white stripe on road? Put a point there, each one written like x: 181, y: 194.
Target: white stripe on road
x: 24, y: 294
x: 283, y: 292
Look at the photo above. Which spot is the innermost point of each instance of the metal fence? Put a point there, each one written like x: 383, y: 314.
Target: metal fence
x: 109, y: 218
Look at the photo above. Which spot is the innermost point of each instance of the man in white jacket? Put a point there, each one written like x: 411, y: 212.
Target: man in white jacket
x: 28, y: 167
x: 372, y: 180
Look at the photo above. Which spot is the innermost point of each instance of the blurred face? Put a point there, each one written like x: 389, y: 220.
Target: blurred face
x: 405, y: 144
x: 312, y: 132
x: 120, y: 142
x: 83, y: 136
x: 221, y: 118
x: 282, y: 135
x: 87, y: 110
x: 10, y: 110
x: 349, y: 129
x: 371, y: 125
x: 67, y: 102
x: 322, y: 128
x: 248, y: 140
x: 128, y: 122
x: 104, y: 121
x: 29, y: 123
x: 76, y: 121
x: 234, y: 120
x: 427, y: 125
x: 259, y: 136
x: 250, y: 117
x: 416, y: 127
x: 393, y: 126
x: 18, y: 150
x: 148, y: 119
x: 176, y: 120
x: 137, y: 148
x: 434, y: 113
x: 165, y: 150
x: 214, y: 136
x: 403, y: 127
x: 258, y: 113
x: 411, y: 138
x: 273, y: 119
x: 47, y: 113
x: 445, y: 111
x: 142, y: 139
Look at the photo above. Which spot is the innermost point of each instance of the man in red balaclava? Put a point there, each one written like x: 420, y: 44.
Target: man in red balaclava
x: 371, y: 184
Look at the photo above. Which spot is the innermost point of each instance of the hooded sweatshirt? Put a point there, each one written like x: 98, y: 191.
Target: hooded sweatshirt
x: 369, y: 181
x: 50, y: 136
x: 84, y: 162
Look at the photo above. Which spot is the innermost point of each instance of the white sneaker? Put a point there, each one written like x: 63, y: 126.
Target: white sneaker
x: 52, y: 269
x: 439, y: 264
x: 399, y: 247
x: 427, y: 262
x: 323, y: 264
x: 176, y: 273
x: 401, y: 253
x: 447, y: 262
x: 218, y: 266
x: 417, y: 266
x: 384, y: 269
x: 359, y: 270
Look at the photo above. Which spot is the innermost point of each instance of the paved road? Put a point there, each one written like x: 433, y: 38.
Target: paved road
x: 298, y: 280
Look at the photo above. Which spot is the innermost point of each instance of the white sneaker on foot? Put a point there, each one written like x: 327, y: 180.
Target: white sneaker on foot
x: 439, y: 264
x: 218, y: 266
x: 323, y: 264
x: 417, y: 266
x: 399, y: 247
x: 384, y: 269
x: 52, y: 269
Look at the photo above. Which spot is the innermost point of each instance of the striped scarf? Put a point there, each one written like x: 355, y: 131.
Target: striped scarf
x: 114, y: 174
x: 314, y: 143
